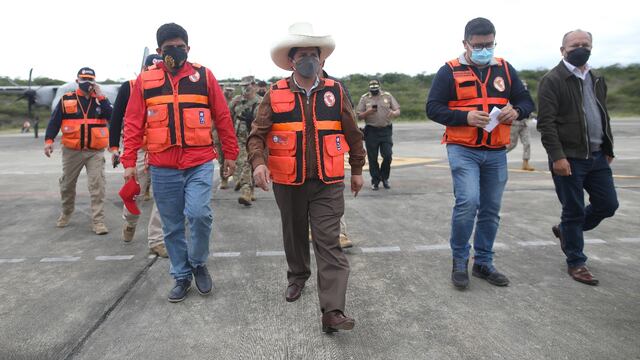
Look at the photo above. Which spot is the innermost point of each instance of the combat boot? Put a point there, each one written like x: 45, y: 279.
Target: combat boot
x: 224, y: 184
x: 526, y: 166
x: 238, y: 185
x: 159, y: 250
x: 147, y: 194
x: 245, y: 197
x: 100, y: 229
x: 253, y: 194
x: 128, y: 232
x: 345, y: 242
x: 63, y: 220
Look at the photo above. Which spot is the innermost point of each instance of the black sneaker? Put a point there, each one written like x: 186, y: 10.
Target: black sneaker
x: 489, y: 273
x: 459, y: 274
x: 180, y: 290
x: 375, y: 187
x: 204, y: 284
x: 385, y: 183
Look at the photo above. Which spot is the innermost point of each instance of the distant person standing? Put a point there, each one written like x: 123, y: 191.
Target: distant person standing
x: 519, y: 129
x: 243, y: 109
x: 224, y: 180
x: 575, y: 130
x: 377, y: 108
x: 261, y: 88
x: 464, y: 91
x: 83, y: 116
x: 155, y: 239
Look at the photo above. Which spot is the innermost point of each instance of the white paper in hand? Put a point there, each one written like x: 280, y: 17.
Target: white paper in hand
x: 493, y: 122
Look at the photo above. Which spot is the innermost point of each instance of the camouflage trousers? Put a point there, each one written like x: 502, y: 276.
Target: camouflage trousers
x: 218, y: 144
x: 519, y: 129
x: 72, y: 163
x: 243, y: 174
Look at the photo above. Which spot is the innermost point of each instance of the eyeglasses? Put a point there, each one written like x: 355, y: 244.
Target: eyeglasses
x: 479, y: 47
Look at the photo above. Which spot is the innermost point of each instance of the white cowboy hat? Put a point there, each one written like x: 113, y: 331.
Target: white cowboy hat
x: 301, y: 35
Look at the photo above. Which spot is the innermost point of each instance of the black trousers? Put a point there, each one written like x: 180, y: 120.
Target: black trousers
x: 379, y: 140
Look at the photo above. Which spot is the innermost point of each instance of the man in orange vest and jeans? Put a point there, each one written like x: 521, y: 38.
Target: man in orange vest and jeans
x: 463, y: 94
x: 176, y: 104
x: 82, y: 115
x: 307, y: 124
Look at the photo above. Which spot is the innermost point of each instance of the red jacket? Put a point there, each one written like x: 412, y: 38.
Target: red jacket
x: 177, y: 157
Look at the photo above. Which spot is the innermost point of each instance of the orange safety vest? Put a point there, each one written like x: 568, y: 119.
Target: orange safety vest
x: 287, y: 140
x: 176, y: 116
x: 473, y: 94
x: 83, y: 128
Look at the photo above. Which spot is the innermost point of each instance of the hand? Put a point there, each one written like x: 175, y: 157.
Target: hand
x: 609, y: 159
x: 115, y: 159
x: 262, y: 177
x: 507, y: 114
x: 477, y: 118
x: 130, y: 173
x: 562, y: 167
x: 229, y: 167
x: 356, y: 184
x: 97, y: 90
x: 48, y: 149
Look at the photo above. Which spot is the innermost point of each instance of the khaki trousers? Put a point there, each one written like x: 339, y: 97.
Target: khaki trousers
x: 154, y: 229
x: 321, y: 206
x: 72, y: 163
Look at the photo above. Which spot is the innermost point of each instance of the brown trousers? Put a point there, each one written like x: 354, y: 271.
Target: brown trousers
x: 320, y: 205
x: 72, y: 163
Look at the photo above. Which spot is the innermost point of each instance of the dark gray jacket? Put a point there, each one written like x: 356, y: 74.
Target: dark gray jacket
x: 561, y: 119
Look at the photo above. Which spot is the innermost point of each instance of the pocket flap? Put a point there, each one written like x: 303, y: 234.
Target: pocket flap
x: 281, y: 140
x: 70, y: 128
x: 282, y: 164
x: 197, y: 117
x: 157, y: 113
x: 157, y: 136
x: 152, y: 79
x: 335, y: 144
x: 70, y: 106
x: 100, y: 132
x: 282, y: 101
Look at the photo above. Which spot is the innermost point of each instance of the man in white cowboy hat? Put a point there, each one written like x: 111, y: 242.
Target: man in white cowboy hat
x: 307, y: 125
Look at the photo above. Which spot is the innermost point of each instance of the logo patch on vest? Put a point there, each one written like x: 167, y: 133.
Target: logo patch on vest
x: 194, y: 77
x: 66, y: 129
x: 150, y: 112
x: 498, y: 83
x: 201, y: 114
x: 338, y: 144
x: 329, y: 99
x: 98, y: 110
x: 279, y: 139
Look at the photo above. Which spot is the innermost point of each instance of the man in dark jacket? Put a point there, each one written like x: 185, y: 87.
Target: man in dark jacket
x: 576, y: 132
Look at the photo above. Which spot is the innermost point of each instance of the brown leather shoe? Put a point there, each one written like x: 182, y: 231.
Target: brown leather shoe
x: 583, y: 275
x: 557, y: 233
x: 293, y: 292
x: 333, y: 321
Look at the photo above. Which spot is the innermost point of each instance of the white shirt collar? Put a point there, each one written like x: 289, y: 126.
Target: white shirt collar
x: 576, y: 71
x: 315, y: 85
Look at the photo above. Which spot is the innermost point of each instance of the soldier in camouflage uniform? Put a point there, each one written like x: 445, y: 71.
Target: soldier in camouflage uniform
x: 519, y: 129
x: 224, y: 182
x: 243, y: 110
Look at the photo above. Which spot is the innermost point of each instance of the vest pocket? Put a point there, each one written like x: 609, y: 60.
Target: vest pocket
x: 197, y: 126
x: 282, y: 101
x: 157, y: 139
x: 152, y: 79
x: 282, y: 168
x: 462, y: 134
x: 501, y: 135
x: 335, y: 146
x: 157, y: 116
x: 70, y: 106
x: 99, y: 138
x: 71, y: 135
x: 466, y: 87
x: 282, y: 143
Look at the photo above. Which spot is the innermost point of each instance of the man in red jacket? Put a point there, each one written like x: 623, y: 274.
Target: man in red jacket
x: 174, y: 106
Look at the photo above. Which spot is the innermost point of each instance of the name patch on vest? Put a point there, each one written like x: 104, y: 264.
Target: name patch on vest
x: 338, y: 144
x: 329, y: 99
x: 498, y: 83
x: 201, y: 117
x: 194, y: 77
x: 279, y: 139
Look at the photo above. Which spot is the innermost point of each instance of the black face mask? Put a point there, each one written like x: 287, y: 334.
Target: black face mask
x: 174, y: 57
x: 308, y: 67
x: 85, y: 87
x: 579, y: 56
x: 375, y: 92
x: 262, y: 93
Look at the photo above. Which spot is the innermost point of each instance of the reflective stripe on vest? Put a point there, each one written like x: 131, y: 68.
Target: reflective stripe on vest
x: 471, y: 94
x: 177, y: 116
x: 287, y: 140
x: 83, y: 128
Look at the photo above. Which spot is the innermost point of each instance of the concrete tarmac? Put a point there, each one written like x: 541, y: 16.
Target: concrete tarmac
x: 70, y: 294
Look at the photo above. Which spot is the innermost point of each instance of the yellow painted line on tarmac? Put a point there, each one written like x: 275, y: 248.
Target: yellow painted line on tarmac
x: 547, y: 172
x: 401, y: 161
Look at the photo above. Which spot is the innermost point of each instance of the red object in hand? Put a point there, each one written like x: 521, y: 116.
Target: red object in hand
x: 128, y: 193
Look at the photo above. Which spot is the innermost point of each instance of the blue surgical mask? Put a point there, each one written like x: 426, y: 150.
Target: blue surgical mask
x: 481, y: 57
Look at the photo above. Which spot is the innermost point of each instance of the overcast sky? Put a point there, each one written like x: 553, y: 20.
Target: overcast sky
x: 233, y: 38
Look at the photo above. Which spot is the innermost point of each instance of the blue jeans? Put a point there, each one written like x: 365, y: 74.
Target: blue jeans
x: 179, y: 194
x: 479, y: 177
x: 593, y: 175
